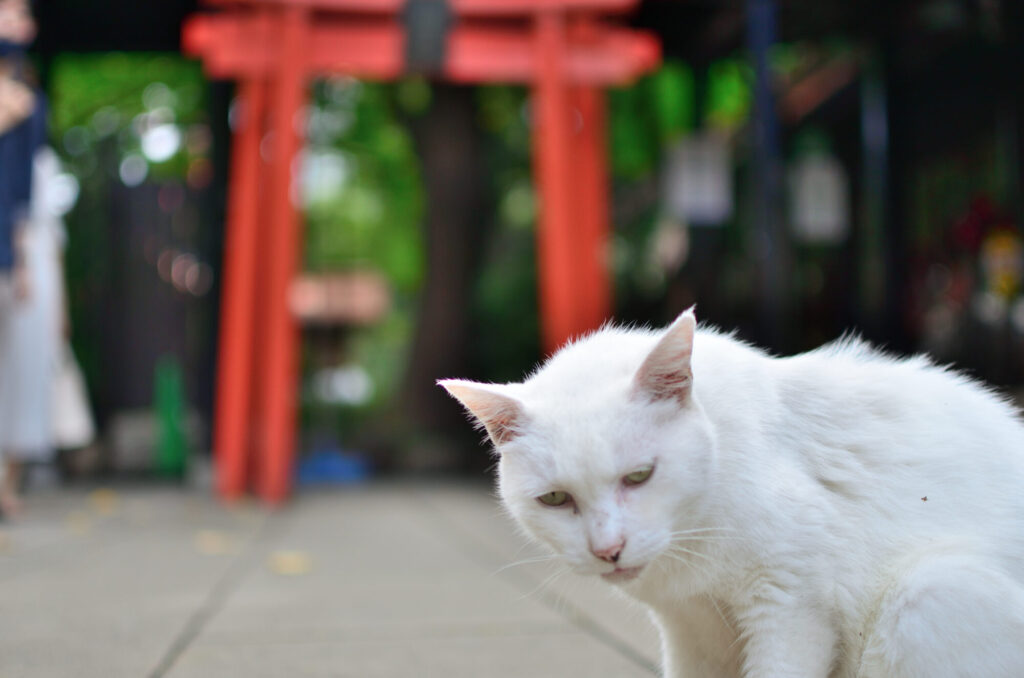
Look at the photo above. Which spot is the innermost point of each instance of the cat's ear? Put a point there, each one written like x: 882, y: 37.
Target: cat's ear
x: 499, y: 414
x: 666, y: 373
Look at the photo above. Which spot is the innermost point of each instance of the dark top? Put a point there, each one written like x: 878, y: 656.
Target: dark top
x: 18, y: 146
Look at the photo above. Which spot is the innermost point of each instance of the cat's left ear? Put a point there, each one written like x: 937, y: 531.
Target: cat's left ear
x: 666, y: 372
x: 500, y: 414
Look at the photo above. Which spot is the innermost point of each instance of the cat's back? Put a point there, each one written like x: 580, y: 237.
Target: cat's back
x: 913, y: 438
x: 850, y: 381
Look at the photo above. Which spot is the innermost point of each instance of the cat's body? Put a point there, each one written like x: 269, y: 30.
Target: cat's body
x: 838, y: 513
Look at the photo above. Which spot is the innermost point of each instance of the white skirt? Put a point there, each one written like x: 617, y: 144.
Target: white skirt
x: 29, y: 352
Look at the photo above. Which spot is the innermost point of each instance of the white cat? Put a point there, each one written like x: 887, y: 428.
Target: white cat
x: 838, y: 513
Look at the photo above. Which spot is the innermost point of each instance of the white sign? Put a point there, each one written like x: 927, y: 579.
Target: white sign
x: 697, y: 184
x: 819, y: 199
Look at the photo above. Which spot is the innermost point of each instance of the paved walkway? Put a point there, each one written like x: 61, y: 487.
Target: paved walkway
x: 389, y: 580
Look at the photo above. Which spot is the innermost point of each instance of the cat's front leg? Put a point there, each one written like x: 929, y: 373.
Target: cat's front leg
x: 794, y: 639
x: 698, y: 640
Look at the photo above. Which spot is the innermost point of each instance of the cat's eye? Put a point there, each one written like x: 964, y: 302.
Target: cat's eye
x: 556, y: 498
x: 638, y: 476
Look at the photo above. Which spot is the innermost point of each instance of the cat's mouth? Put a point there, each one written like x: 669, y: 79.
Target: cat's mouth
x: 622, y: 574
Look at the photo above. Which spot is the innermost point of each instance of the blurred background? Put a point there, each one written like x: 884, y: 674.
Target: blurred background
x: 881, y: 193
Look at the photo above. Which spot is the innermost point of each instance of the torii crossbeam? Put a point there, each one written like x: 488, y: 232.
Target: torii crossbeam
x: 563, y: 49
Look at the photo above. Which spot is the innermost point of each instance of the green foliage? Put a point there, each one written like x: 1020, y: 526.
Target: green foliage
x: 90, y: 82
x: 729, y: 97
x: 635, y: 132
x: 654, y: 113
x: 672, y: 100
x: 413, y: 95
x: 364, y: 207
x: 372, y: 216
x: 505, y: 302
x: 377, y: 350
x: 117, y: 96
x: 100, y: 105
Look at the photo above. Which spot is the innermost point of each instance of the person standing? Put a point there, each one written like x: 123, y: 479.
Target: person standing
x: 22, y: 133
x: 37, y: 327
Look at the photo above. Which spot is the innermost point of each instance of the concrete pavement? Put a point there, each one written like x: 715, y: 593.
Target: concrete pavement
x: 378, y: 581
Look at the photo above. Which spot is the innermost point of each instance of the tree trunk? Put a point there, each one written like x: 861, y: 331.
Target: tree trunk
x: 451, y: 151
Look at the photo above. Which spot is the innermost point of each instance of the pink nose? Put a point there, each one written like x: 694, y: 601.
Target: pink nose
x: 609, y: 553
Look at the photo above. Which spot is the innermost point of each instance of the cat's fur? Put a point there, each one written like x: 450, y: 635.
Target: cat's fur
x: 837, y: 513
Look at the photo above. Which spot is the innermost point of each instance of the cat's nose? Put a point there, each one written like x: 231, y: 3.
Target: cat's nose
x: 609, y: 553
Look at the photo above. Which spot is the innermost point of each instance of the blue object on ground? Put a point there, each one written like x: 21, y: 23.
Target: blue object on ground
x: 332, y: 467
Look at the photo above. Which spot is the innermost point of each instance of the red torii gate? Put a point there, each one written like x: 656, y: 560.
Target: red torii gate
x: 273, y: 47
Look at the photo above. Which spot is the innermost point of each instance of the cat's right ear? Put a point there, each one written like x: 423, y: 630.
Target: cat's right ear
x: 666, y: 373
x: 499, y: 414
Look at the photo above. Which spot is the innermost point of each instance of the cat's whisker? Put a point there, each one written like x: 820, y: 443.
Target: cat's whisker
x: 663, y: 564
x: 526, y: 561
x: 725, y: 620
x: 693, y: 564
x: 701, y: 530
x: 692, y: 559
x: 544, y: 584
x: 699, y: 538
x: 522, y: 547
x: 690, y: 536
x: 561, y: 597
x: 691, y: 552
x: 740, y: 637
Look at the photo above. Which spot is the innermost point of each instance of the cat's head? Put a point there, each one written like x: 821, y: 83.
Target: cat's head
x: 605, y: 452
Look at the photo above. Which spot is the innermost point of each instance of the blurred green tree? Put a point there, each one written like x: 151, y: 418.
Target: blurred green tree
x: 119, y: 119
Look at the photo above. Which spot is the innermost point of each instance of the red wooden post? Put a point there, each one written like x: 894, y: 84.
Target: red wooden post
x: 594, y: 284
x: 280, y: 392
x: 264, y: 202
x: 551, y: 157
x: 238, y: 297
